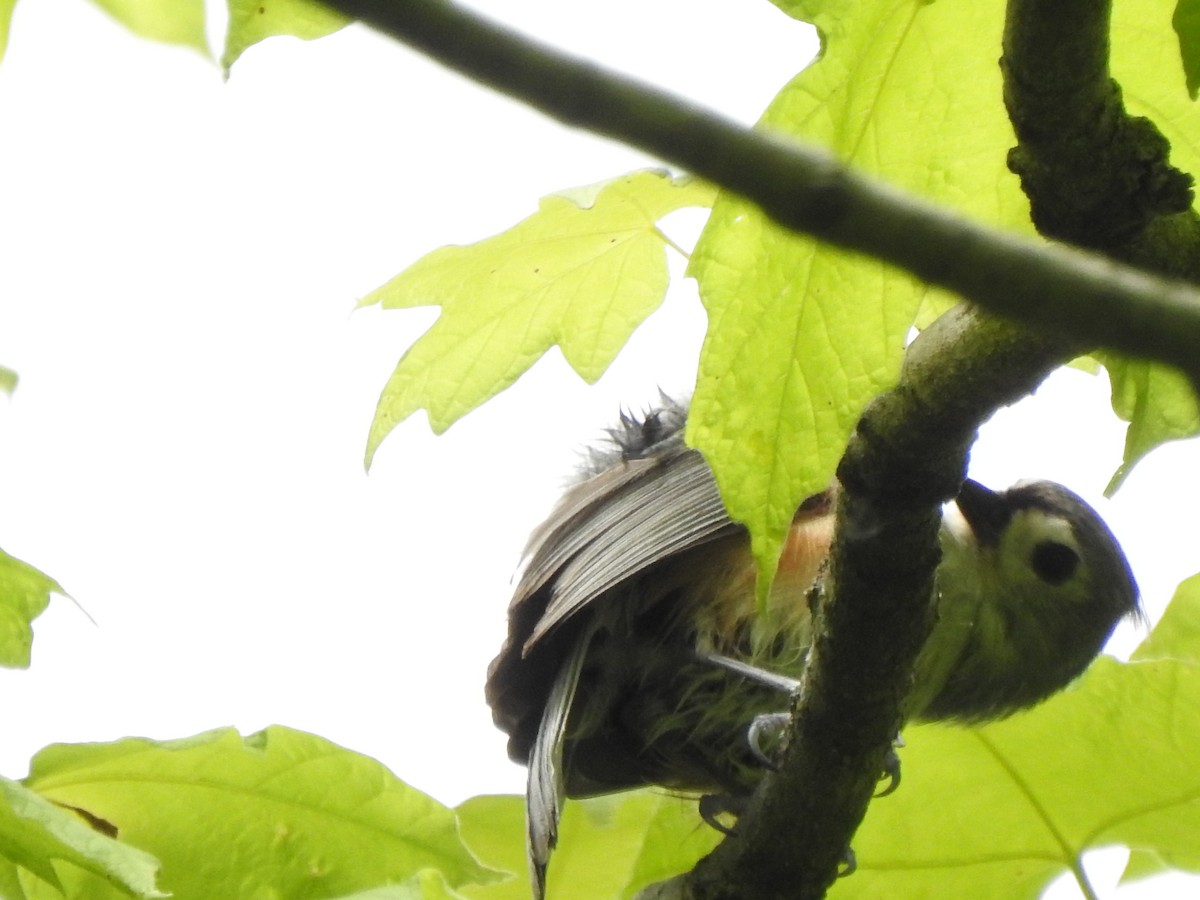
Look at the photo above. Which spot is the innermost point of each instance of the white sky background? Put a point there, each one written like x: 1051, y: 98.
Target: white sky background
x: 184, y: 451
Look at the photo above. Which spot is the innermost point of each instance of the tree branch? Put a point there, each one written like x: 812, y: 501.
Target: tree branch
x: 1097, y: 301
x: 1095, y: 176
x: 907, y: 456
x: 910, y: 448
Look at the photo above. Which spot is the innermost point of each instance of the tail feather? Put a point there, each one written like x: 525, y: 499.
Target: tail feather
x: 546, y: 789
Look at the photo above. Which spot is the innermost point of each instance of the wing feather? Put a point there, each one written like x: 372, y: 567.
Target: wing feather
x: 545, y: 787
x: 643, y: 512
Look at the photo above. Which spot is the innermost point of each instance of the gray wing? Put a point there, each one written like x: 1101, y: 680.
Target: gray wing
x: 617, y: 524
x: 609, y: 527
x: 620, y: 521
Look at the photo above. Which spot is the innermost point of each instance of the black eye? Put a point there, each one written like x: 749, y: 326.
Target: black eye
x: 1054, y: 563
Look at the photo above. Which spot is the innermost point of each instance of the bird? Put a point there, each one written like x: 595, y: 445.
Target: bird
x: 636, y: 654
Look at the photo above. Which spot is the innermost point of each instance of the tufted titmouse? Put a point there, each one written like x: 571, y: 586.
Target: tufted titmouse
x: 636, y: 656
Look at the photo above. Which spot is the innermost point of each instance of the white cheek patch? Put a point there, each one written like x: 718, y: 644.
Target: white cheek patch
x: 1030, y: 527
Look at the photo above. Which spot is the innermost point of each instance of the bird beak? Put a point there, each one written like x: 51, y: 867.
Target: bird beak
x: 987, y: 512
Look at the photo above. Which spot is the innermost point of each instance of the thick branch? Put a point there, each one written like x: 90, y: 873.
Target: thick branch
x: 907, y: 456
x: 1095, y: 176
x: 1049, y: 287
x: 910, y: 447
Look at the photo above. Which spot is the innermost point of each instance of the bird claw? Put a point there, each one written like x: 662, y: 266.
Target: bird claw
x: 713, y: 805
x: 891, y: 768
x: 849, y: 863
x: 772, y: 726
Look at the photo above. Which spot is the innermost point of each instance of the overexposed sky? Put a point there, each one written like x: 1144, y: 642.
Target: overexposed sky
x: 184, y: 452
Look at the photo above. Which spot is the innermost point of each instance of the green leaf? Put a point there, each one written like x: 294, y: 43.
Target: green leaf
x: 171, y: 21
x: 6, y: 10
x: 24, y: 594
x: 582, y: 272
x: 493, y: 827
x: 1001, y: 810
x: 801, y: 335
x: 10, y: 880
x: 8, y: 378
x: 428, y: 884
x: 641, y: 836
x: 1186, y: 22
x: 1175, y: 637
x: 36, y: 834
x: 1156, y: 401
x: 251, y: 21
x: 279, y: 813
x: 674, y: 840
x: 1145, y: 863
x: 1146, y: 62
x: 1177, y: 634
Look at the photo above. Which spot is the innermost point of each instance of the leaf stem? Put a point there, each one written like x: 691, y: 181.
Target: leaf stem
x: 666, y: 239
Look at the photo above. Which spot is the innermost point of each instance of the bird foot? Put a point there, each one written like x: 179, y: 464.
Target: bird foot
x: 766, y: 735
x: 713, y: 806
x: 768, y: 731
x: 849, y: 863
x: 891, y: 768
